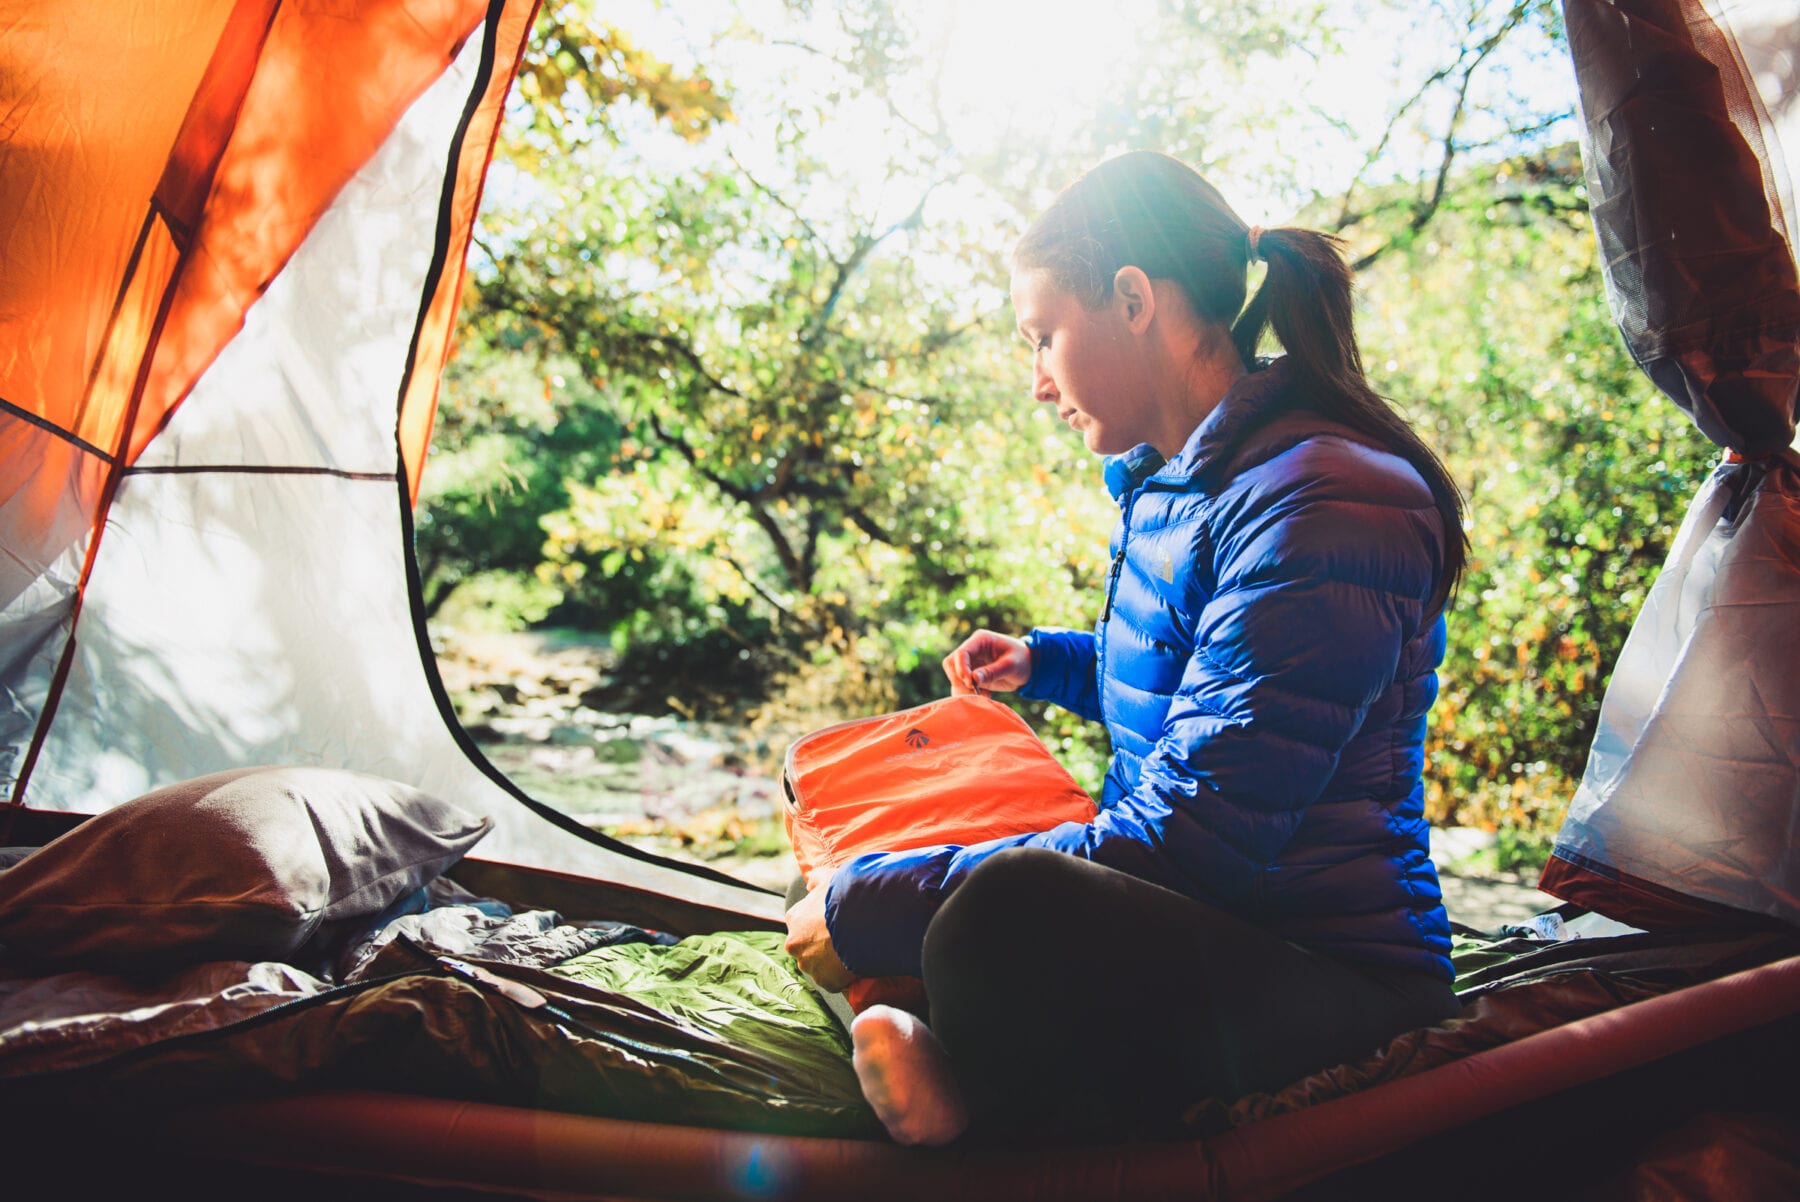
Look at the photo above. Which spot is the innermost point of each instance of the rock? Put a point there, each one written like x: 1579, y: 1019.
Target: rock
x: 546, y: 711
x: 603, y: 696
x: 642, y: 726
x: 618, y: 751
x: 525, y: 729
x: 560, y: 759
x: 687, y: 749
x: 569, y: 734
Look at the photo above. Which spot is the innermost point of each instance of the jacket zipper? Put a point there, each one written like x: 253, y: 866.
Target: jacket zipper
x: 1112, y: 580
x: 1112, y: 587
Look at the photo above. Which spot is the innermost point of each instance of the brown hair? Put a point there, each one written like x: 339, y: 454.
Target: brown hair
x: 1154, y: 212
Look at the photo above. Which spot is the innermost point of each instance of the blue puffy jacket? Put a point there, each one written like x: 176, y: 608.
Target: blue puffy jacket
x: 1263, y: 664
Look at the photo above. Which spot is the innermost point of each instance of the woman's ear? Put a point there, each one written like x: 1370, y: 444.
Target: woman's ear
x: 1135, y: 298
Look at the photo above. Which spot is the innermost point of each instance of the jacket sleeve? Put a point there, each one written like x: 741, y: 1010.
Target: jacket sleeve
x: 1313, y: 600
x: 1062, y: 670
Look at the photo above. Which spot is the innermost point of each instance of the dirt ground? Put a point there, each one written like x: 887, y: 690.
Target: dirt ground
x: 1476, y: 897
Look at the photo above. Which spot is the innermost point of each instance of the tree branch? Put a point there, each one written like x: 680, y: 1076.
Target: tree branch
x: 779, y: 201
x: 687, y: 354
x: 755, y: 500
x: 865, y: 245
x: 730, y: 488
x: 1345, y: 217
x: 769, y: 598
x: 1468, y: 61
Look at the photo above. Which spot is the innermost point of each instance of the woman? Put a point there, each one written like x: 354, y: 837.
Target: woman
x: 1254, y: 900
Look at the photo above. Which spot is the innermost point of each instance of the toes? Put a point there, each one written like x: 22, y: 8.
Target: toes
x: 906, y: 1077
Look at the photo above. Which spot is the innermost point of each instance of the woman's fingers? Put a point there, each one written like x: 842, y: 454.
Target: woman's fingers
x: 986, y: 661
x: 956, y: 669
x: 976, y: 676
x: 809, y: 943
x: 960, y: 666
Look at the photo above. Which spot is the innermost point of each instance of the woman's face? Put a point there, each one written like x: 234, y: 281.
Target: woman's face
x: 1085, y: 362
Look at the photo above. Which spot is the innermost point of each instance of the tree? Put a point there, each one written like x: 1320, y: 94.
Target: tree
x: 1495, y: 331
x: 753, y: 391
x: 503, y: 449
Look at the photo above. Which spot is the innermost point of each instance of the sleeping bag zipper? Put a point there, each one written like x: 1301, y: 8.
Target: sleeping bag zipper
x: 274, y: 1013
x: 536, y: 1005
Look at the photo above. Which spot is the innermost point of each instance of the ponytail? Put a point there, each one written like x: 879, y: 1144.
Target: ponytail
x: 1307, y: 298
x: 1155, y: 212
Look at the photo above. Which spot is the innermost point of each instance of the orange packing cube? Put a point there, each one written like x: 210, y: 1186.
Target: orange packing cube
x: 957, y: 771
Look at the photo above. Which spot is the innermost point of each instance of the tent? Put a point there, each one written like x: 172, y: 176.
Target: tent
x: 232, y: 236
x: 228, y: 294
x: 1686, y: 812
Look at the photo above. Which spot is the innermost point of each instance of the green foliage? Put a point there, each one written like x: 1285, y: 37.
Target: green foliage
x: 759, y: 413
x: 499, y: 601
x: 505, y: 447
x: 1495, y: 331
x: 1524, y: 848
x: 577, y: 67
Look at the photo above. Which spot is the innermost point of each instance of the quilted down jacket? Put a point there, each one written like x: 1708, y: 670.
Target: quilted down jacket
x: 1263, y: 664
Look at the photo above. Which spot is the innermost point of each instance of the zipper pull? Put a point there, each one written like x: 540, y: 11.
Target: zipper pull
x: 1112, y: 582
x: 1118, y: 563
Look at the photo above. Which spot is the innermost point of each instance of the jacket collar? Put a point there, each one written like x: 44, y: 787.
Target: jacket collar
x: 1252, y: 402
x: 1125, y: 472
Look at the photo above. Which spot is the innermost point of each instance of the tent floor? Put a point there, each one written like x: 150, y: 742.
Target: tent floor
x: 1719, y: 1121
x: 1715, y: 1123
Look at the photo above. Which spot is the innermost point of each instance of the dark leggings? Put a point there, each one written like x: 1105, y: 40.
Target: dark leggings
x: 1072, y: 997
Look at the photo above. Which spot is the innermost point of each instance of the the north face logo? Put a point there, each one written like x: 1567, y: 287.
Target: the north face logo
x: 916, y: 738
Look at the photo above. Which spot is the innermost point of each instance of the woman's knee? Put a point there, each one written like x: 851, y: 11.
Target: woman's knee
x: 1008, y: 886
x: 1000, y: 915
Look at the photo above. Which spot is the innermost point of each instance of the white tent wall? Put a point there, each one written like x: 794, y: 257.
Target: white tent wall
x: 1693, y: 783
x: 249, y: 602
x: 1765, y: 38
x: 38, y: 580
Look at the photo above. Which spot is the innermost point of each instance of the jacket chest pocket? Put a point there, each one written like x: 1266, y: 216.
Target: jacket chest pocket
x: 1165, y: 613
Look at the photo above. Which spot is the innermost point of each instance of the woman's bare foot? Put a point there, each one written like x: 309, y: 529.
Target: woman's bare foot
x: 906, y: 1077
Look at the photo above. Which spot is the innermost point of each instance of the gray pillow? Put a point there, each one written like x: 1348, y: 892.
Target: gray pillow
x: 242, y: 865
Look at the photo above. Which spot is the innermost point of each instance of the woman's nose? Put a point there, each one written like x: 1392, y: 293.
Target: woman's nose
x: 1043, y: 388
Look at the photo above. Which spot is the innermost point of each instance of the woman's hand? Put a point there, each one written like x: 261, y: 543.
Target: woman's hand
x: 986, y: 662
x: 809, y: 942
